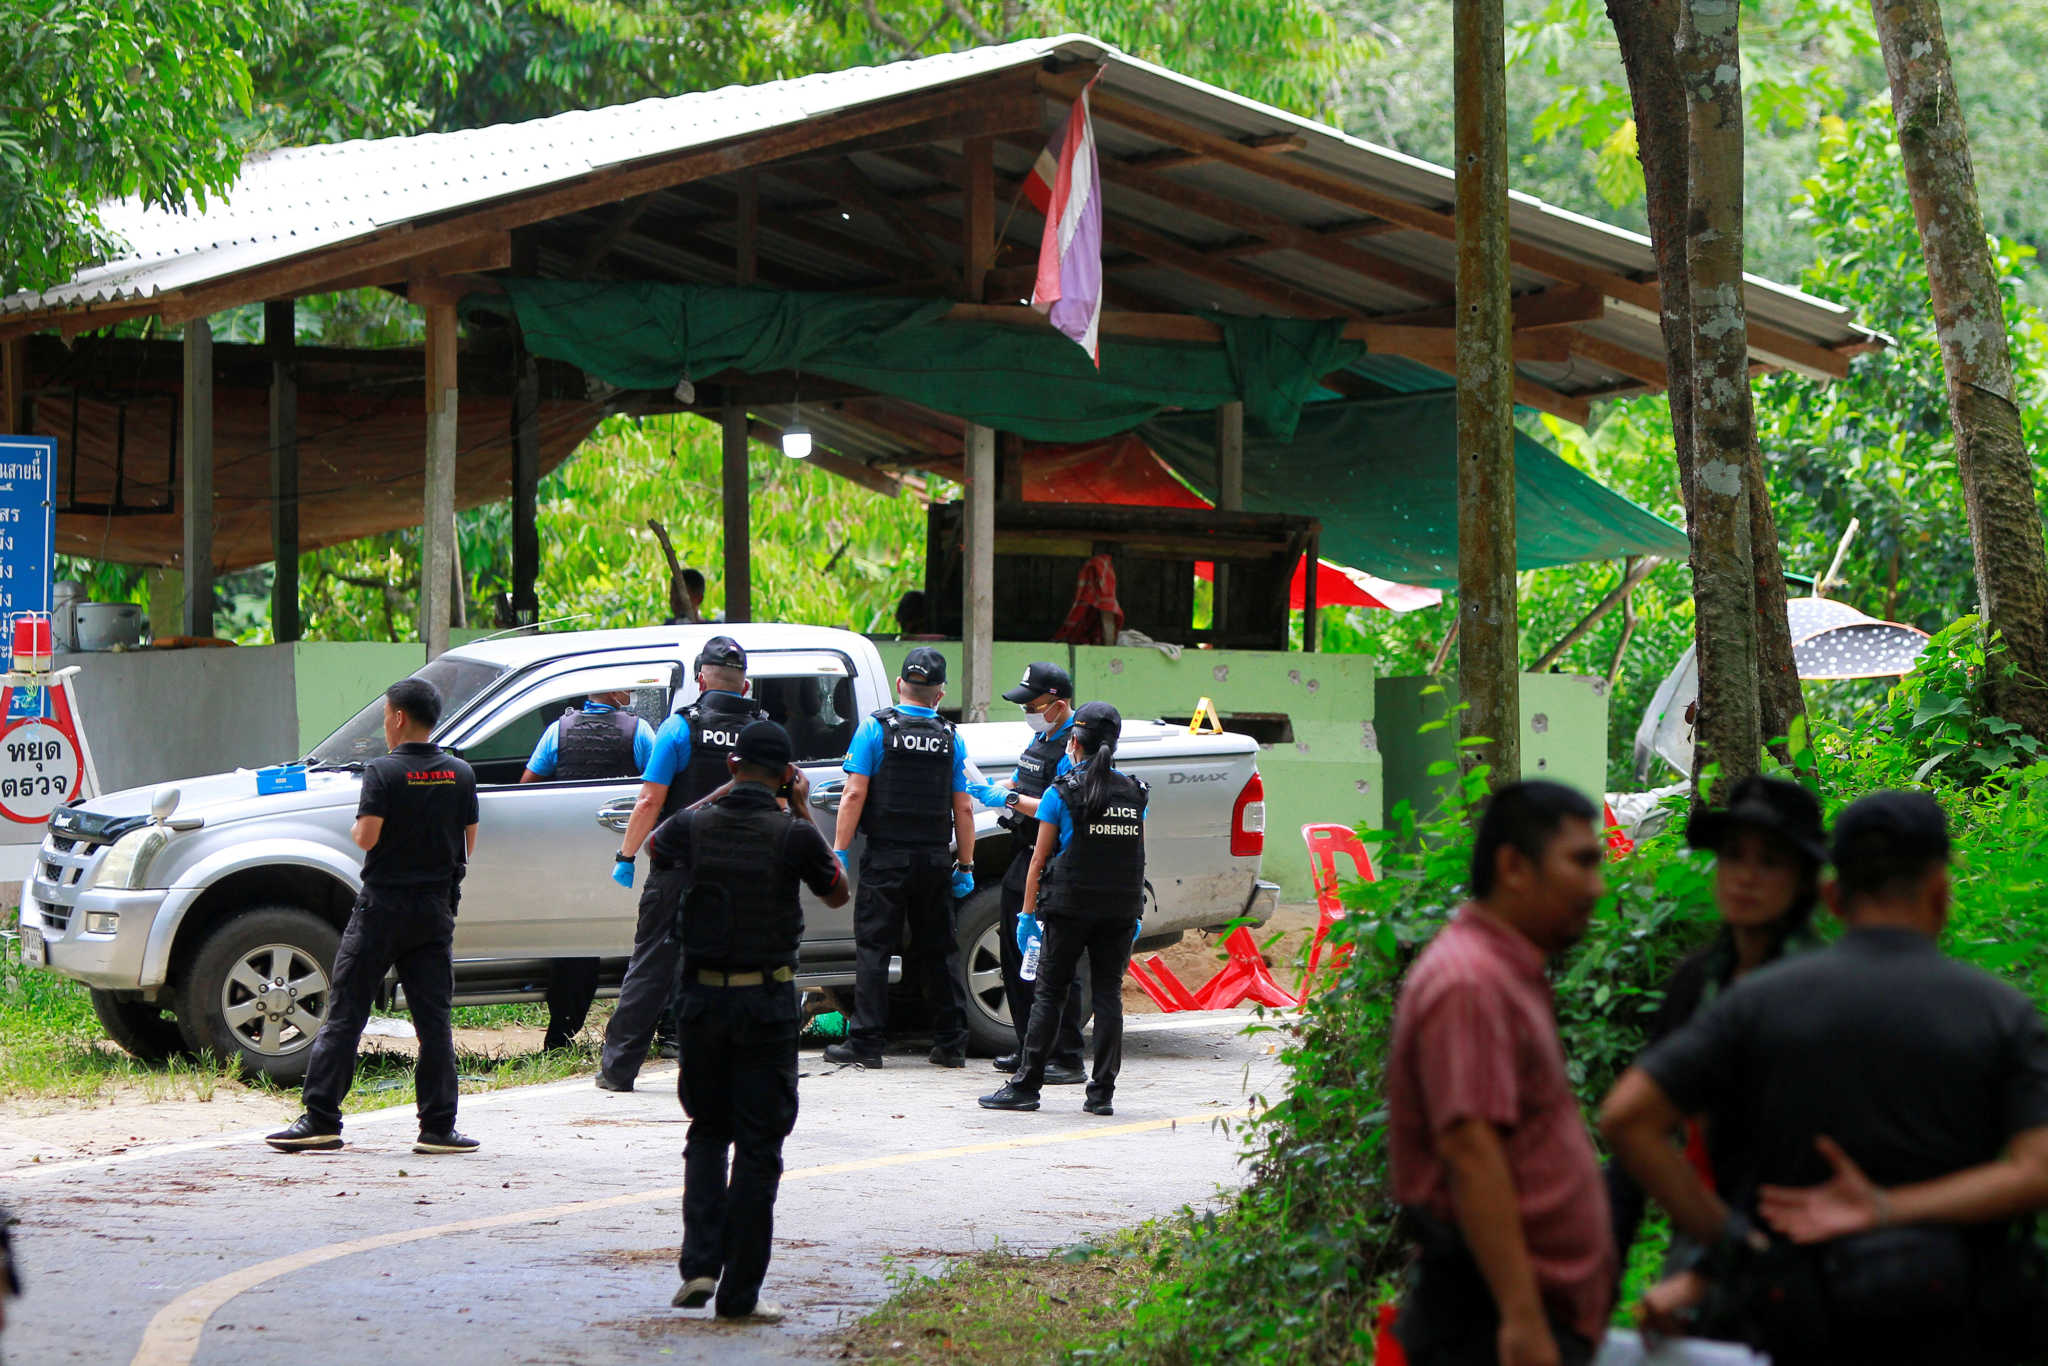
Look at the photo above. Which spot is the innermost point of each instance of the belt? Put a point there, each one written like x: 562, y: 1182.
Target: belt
x: 709, y: 978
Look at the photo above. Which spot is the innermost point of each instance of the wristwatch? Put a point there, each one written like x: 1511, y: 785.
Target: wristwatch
x: 960, y: 867
x: 1013, y: 800
x: 622, y: 857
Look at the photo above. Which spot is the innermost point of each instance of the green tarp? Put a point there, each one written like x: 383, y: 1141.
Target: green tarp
x: 1382, y: 475
x: 1027, y: 380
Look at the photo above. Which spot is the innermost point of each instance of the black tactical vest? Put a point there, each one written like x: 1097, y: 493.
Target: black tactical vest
x: 910, y: 793
x: 595, y: 744
x: 742, y: 911
x: 715, y: 721
x: 1100, y: 875
x: 1035, y: 767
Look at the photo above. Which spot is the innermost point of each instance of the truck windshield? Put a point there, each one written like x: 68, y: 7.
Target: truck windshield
x: 459, y: 681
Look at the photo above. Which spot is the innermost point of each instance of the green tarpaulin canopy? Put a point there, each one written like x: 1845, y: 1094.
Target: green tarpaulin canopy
x: 1027, y: 380
x: 1382, y: 475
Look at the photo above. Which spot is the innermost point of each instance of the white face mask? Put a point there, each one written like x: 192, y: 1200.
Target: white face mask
x: 1039, y: 722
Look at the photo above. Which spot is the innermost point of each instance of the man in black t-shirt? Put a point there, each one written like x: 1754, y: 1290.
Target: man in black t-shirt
x: 743, y: 859
x: 1880, y: 1107
x: 416, y: 825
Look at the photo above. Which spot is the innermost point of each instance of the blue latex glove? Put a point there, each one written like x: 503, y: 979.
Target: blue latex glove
x: 622, y: 873
x: 1027, y: 930
x: 988, y: 794
x: 1137, y: 930
x: 963, y: 883
x: 845, y: 857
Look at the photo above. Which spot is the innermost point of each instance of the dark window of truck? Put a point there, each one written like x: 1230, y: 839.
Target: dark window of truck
x: 460, y: 682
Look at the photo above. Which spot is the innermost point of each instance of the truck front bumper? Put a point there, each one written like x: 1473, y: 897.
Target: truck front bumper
x: 82, y: 942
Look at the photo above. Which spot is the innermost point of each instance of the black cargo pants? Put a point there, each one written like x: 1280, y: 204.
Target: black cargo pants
x: 1066, y: 1042
x: 412, y: 929
x: 650, y: 980
x: 906, y: 885
x: 738, y: 1085
x: 1107, y: 942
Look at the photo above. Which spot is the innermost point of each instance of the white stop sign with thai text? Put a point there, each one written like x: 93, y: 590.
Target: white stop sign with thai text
x: 39, y: 770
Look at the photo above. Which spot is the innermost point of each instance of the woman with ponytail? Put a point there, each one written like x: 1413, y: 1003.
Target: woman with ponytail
x: 1087, y: 885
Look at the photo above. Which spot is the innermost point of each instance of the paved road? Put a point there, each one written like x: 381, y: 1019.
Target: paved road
x: 556, y: 1243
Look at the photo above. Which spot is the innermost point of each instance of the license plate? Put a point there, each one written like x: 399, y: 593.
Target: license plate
x: 32, y: 949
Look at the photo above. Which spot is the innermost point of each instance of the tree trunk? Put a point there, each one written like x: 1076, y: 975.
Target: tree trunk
x: 1969, y: 319
x: 1489, y: 665
x: 1730, y: 725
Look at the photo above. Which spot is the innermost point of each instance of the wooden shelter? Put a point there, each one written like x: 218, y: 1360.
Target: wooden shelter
x: 899, y: 180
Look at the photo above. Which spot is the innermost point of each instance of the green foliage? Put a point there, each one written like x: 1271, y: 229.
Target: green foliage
x: 106, y: 99
x: 825, y: 551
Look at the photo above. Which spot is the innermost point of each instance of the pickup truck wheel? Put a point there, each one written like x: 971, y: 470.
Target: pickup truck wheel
x: 142, y: 1027
x: 259, y: 990
x: 981, y: 965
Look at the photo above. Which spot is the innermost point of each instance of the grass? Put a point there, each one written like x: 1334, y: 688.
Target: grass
x: 52, y: 1048
x: 1003, y: 1308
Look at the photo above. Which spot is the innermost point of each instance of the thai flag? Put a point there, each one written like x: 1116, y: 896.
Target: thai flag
x: 1068, y: 191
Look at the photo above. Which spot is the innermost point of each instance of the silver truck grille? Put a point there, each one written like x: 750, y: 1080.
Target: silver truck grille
x: 60, y: 867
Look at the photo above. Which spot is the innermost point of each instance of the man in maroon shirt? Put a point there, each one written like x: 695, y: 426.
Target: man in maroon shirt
x: 1491, y: 1160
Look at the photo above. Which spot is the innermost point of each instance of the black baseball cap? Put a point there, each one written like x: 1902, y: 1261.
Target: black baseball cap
x: 1908, y: 825
x: 924, y: 665
x: 1779, y: 808
x: 1099, y: 718
x: 765, y: 743
x: 722, y: 652
x: 1042, y: 678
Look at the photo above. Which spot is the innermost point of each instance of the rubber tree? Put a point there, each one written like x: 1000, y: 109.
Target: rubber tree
x: 1682, y: 60
x: 1976, y: 356
x: 1489, y: 669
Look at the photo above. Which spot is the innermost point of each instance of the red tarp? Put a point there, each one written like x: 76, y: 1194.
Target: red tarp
x: 1124, y: 470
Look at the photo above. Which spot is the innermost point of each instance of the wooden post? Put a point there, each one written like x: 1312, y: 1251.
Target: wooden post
x: 738, y: 531
x: 979, y: 223
x: 195, y: 426
x: 1010, y: 467
x: 15, y: 418
x: 279, y: 323
x: 525, y: 487
x: 978, y: 623
x: 1311, y: 566
x: 1229, y: 498
x: 437, y: 522
x: 1489, y: 678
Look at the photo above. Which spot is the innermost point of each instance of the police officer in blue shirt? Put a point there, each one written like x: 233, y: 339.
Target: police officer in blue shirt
x: 1046, y: 694
x: 906, y: 790
x: 603, y: 740
x: 1087, y: 882
x: 688, y: 765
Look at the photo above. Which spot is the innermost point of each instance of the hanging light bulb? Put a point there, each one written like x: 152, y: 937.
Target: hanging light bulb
x: 796, y: 439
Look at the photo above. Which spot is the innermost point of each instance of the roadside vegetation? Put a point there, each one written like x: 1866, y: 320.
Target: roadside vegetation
x: 52, y: 1048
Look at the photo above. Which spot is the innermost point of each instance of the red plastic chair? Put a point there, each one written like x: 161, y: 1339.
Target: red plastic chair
x: 1326, y: 843
x: 1619, y: 845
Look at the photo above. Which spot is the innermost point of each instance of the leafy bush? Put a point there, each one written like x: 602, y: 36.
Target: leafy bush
x: 1293, y: 1268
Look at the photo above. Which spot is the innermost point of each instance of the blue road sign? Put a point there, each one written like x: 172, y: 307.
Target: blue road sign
x: 28, y: 513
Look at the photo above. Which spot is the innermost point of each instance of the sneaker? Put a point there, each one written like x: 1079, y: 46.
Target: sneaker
x: 1009, y: 1062
x: 1098, y: 1107
x: 1011, y: 1097
x: 846, y: 1055
x: 946, y: 1057
x: 669, y: 1049
x: 764, y: 1311
x: 1058, y: 1074
x: 306, y: 1135
x: 450, y: 1142
x: 607, y: 1082
x: 696, y: 1293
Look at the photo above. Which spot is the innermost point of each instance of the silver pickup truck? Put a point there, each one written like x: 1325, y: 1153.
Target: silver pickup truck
x: 205, y: 916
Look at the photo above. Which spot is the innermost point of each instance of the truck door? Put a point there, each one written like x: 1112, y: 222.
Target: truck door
x: 540, y: 885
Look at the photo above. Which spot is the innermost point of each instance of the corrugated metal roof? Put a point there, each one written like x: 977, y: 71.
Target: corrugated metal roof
x: 290, y: 202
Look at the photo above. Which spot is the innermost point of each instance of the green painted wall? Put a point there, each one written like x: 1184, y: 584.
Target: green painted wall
x: 1564, y: 733
x: 336, y: 679
x: 1330, y: 770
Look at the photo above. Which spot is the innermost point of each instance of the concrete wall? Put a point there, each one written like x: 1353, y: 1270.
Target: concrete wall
x: 1330, y: 768
x: 1564, y: 733
x: 334, y: 680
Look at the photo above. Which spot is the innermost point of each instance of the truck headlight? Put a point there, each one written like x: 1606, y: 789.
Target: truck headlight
x: 127, y: 863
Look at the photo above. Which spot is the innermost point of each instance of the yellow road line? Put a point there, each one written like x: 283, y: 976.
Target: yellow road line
x: 173, y: 1335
